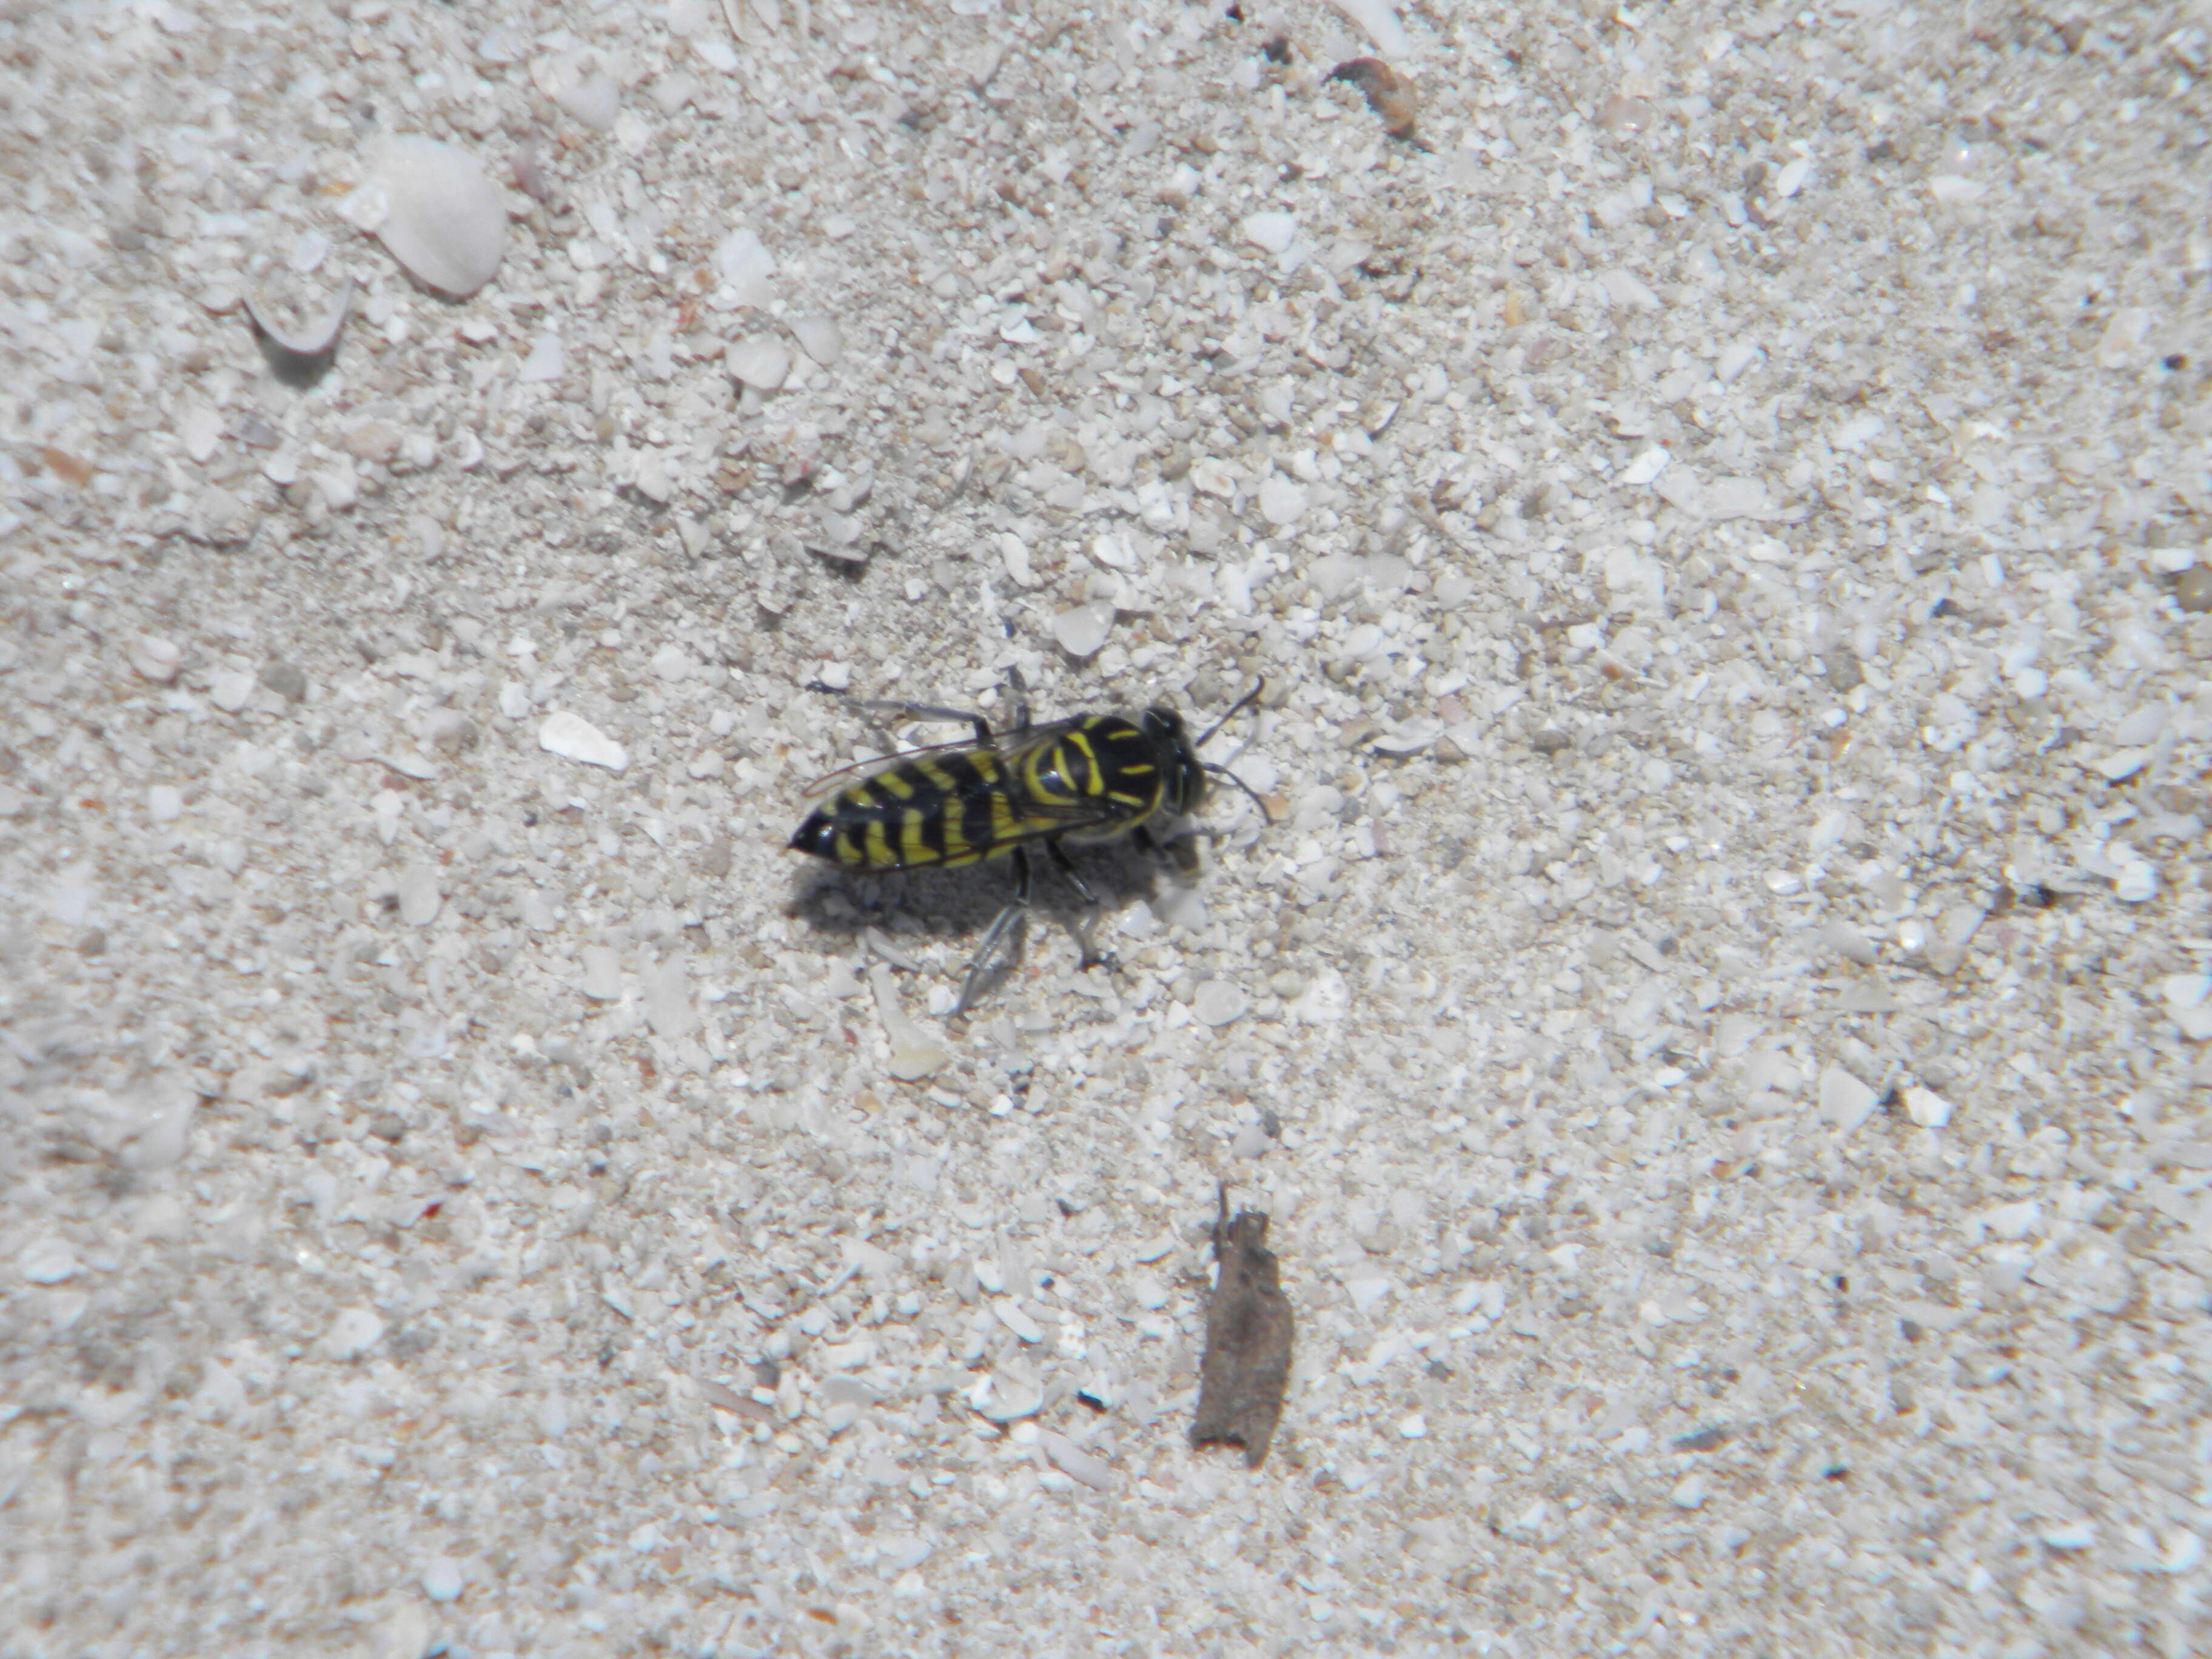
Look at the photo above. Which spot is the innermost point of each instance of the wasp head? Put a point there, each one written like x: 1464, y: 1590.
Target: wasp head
x: 1186, y: 774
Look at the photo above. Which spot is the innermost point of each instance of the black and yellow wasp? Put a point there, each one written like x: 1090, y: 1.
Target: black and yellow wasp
x: 1090, y: 778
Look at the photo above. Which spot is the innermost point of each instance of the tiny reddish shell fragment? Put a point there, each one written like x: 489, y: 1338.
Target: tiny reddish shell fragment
x: 70, y: 469
x: 1389, y: 95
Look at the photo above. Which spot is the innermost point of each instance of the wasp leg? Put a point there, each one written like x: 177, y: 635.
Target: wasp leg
x: 1007, y: 921
x: 1068, y: 868
x: 916, y: 711
x: 1092, y: 956
x: 1178, y: 854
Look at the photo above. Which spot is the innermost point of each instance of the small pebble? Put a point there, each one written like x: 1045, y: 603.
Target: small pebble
x: 286, y: 681
x: 652, y: 478
x: 1623, y: 118
x: 1281, y: 501
x: 1072, y: 1460
x: 419, y: 898
x: 441, y: 1579
x: 155, y: 659
x: 1274, y: 231
x: 502, y: 46
x: 1736, y: 357
x: 592, y: 101
x: 1250, y: 1141
x: 1849, y: 942
x: 1082, y: 631
x: 1844, y: 1100
x: 762, y: 364
x: 442, y: 217
x: 1690, y: 1492
x: 1016, y: 1318
x: 201, y: 430
x: 1415, y: 1427
x: 165, y: 803
x: 545, y: 362
x: 2193, y: 591
x: 603, y: 977
x: 573, y: 738
x: 374, y: 441
x: 47, y: 1261
x: 409, y: 765
x: 229, y: 688
x: 2146, y: 724
x: 352, y: 1334
x: 1926, y: 1107
x: 671, y: 93
x: 668, y: 1005
x: 1366, y: 1290
x: 745, y: 265
x: 1015, y: 1393
x: 1955, y: 935
x: 339, y: 486
x: 821, y: 340
x: 219, y: 515
x: 532, y: 177
x: 914, y: 1055
x: 2118, y: 768
x: 1219, y: 1001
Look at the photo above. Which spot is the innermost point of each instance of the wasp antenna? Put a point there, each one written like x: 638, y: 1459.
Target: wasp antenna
x: 1235, y: 710
x: 1252, y: 794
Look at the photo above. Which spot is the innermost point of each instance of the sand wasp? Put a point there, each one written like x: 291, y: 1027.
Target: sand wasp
x: 1090, y: 778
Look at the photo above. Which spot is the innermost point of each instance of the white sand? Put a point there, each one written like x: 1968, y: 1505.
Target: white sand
x: 1716, y: 1023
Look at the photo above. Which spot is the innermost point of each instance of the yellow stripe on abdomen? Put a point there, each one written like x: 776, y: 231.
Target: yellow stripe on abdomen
x: 914, y: 845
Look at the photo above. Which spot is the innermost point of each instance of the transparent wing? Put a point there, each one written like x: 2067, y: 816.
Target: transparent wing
x: 1009, y: 748
x: 829, y: 782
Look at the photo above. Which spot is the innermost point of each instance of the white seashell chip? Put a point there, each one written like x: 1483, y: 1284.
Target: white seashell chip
x: 761, y: 363
x: 573, y: 738
x: 444, y: 219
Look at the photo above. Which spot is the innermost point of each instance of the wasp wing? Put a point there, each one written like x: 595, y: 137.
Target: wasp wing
x: 1007, y: 747
x: 831, y: 782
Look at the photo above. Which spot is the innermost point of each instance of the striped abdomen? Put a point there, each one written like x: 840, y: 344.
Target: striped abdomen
x: 1084, y: 779
x: 947, y: 809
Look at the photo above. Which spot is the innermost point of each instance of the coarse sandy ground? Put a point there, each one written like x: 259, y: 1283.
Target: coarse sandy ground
x: 1714, y: 1022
